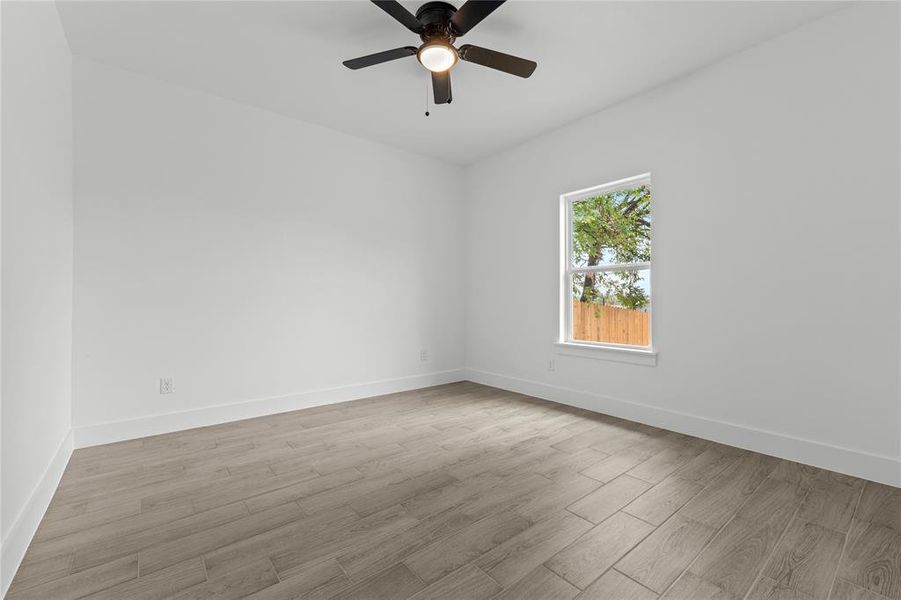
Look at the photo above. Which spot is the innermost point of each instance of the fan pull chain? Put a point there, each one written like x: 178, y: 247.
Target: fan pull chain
x: 427, y: 97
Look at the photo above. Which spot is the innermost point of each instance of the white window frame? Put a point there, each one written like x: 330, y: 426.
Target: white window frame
x: 565, y: 342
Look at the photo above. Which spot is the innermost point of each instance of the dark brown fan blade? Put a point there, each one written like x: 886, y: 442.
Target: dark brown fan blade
x: 379, y: 57
x: 497, y: 60
x: 401, y: 14
x: 472, y: 13
x: 441, y: 86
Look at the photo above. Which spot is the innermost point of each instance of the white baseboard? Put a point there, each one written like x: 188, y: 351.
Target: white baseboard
x: 26, y: 524
x: 105, y: 433
x: 884, y: 469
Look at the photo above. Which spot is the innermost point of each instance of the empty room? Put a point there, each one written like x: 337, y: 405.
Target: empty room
x: 481, y: 300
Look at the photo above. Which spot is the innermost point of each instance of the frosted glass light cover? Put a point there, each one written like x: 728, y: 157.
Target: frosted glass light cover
x: 437, y: 57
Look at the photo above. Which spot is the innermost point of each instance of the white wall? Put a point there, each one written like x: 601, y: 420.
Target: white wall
x: 776, y: 249
x: 36, y: 268
x: 250, y: 256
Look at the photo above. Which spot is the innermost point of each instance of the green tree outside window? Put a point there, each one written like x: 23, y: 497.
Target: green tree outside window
x: 609, y: 229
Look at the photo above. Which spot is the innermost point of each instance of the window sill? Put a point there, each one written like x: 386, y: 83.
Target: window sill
x: 635, y: 356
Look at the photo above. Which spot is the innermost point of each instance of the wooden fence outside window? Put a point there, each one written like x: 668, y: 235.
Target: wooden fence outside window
x: 610, y: 324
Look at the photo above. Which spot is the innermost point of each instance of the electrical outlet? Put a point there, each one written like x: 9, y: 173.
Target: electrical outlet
x: 167, y: 385
x: 551, y: 365
x: 423, y: 355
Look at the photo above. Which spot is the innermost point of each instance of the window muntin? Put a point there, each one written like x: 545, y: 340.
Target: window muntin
x: 606, y: 294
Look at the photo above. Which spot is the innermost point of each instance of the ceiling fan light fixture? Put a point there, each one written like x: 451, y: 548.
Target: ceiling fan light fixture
x: 437, y: 57
x: 439, y: 25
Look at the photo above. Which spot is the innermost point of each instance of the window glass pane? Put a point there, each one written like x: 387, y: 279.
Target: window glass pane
x: 612, y: 228
x: 612, y: 307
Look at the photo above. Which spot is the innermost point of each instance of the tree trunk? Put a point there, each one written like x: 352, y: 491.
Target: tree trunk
x: 588, y: 284
x: 590, y: 278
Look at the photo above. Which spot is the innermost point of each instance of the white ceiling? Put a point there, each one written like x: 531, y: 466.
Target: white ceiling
x: 286, y: 57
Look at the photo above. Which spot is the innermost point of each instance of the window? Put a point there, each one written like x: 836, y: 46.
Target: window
x: 606, y: 265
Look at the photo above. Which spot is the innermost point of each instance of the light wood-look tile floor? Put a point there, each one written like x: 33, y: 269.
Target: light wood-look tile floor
x: 459, y: 492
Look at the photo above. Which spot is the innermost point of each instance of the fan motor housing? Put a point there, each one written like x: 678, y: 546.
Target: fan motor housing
x: 435, y: 18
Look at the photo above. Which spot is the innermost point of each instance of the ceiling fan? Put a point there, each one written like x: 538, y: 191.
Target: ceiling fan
x: 439, y: 24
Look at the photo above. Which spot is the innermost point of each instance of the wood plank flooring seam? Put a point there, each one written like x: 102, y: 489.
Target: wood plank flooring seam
x: 269, y: 558
x: 841, y: 556
x: 688, y: 568
x: 622, y: 550
x: 708, y: 543
x: 623, y: 509
x: 765, y: 561
x: 640, y: 519
x: 489, y: 577
x: 613, y: 568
